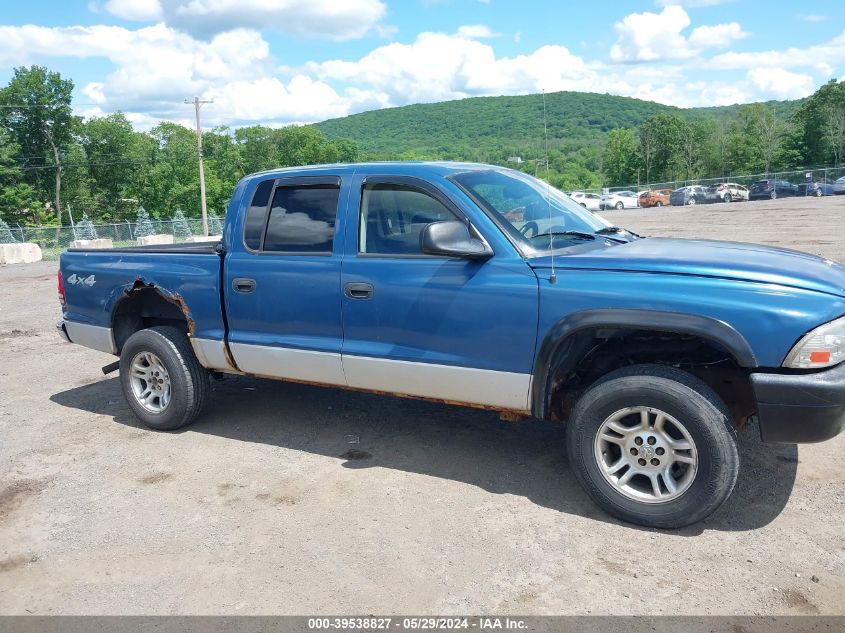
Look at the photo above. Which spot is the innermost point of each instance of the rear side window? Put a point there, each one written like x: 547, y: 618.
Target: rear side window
x: 393, y: 216
x: 256, y: 215
x: 302, y: 219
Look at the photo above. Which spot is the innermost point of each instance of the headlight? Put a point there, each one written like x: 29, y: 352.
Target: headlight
x: 823, y: 347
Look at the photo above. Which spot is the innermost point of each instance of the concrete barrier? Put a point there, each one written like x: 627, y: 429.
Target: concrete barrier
x: 102, y: 242
x: 150, y: 240
x: 204, y: 238
x: 25, y: 253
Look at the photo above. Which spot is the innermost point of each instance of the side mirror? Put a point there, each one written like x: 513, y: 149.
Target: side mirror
x: 452, y: 239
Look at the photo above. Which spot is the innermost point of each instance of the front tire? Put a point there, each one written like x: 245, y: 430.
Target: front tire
x: 691, y: 202
x: 162, y: 380
x: 728, y: 198
x: 653, y: 445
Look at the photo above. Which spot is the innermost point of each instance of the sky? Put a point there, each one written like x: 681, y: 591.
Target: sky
x: 277, y: 62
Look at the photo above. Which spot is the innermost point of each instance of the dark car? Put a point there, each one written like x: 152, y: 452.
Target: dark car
x: 772, y: 189
x: 692, y: 194
x: 817, y: 189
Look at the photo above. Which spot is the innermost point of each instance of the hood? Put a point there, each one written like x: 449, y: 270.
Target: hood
x: 710, y: 258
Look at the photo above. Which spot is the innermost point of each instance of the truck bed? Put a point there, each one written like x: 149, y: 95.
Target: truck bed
x: 96, y: 280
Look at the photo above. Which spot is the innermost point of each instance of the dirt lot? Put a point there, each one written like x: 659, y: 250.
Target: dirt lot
x: 295, y: 499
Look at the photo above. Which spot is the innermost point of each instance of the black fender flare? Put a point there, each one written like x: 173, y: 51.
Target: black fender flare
x: 561, y: 333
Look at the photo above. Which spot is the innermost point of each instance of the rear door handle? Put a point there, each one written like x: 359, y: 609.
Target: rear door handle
x: 359, y: 290
x: 244, y: 285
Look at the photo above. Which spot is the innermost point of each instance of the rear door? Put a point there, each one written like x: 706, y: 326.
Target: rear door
x: 430, y: 326
x: 282, y: 279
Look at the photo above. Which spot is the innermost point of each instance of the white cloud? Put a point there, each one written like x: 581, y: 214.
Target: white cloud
x: 780, y: 83
x: 476, y: 32
x: 157, y: 66
x: 333, y: 19
x: 438, y: 67
x: 718, y: 36
x: 517, y: 37
x: 828, y: 53
x: 812, y: 17
x: 644, y: 37
x: 141, y: 10
x: 652, y: 36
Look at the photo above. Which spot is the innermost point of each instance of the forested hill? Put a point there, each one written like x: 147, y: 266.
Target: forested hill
x: 482, y: 126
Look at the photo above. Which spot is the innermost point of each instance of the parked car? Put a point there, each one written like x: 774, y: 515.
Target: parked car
x: 692, y: 194
x: 726, y: 192
x: 772, y: 189
x: 655, y: 198
x: 839, y: 186
x: 589, y: 201
x: 618, y: 200
x: 817, y: 189
x: 652, y: 350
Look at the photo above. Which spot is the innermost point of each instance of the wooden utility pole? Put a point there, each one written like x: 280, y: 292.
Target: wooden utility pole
x: 198, y: 103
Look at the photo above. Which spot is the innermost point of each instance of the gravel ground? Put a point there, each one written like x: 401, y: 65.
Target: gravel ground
x: 290, y: 499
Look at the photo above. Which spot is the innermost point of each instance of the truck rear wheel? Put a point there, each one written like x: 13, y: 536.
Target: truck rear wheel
x: 653, y: 445
x: 162, y: 380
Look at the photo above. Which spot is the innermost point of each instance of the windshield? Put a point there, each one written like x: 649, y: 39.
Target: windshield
x: 538, y: 217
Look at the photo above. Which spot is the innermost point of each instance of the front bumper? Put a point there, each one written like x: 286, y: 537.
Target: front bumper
x: 62, y: 331
x: 798, y: 408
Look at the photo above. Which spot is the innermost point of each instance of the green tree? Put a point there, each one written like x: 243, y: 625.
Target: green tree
x: 17, y: 199
x: 6, y: 236
x: 143, y: 225
x: 181, y: 228
x: 85, y: 229
x: 38, y: 118
x: 812, y: 121
x: 116, y: 156
x: 620, y: 157
x: 215, y: 226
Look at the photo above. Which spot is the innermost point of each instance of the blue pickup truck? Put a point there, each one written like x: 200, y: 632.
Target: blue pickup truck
x: 484, y: 287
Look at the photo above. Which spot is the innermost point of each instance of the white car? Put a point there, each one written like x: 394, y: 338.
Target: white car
x: 727, y: 192
x: 839, y: 186
x: 589, y: 201
x: 619, y: 200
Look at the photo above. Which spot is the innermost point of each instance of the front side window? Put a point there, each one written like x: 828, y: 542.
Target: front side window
x: 302, y: 219
x: 393, y: 216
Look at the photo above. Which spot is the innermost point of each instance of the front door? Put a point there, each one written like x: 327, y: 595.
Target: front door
x: 429, y: 326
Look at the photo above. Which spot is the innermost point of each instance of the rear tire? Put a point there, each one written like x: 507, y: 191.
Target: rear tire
x: 681, y: 468
x: 819, y: 193
x: 691, y: 202
x: 619, y: 206
x: 162, y: 380
x: 728, y: 198
x: 658, y: 204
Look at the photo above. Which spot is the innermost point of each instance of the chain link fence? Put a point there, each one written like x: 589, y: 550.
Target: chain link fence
x: 798, y: 177
x: 55, y: 239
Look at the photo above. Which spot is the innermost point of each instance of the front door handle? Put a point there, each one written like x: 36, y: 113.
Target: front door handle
x: 359, y: 290
x: 244, y: 285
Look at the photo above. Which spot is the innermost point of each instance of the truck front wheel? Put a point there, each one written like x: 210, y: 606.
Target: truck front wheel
x: 162, y: 380
x: 653, y: 445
